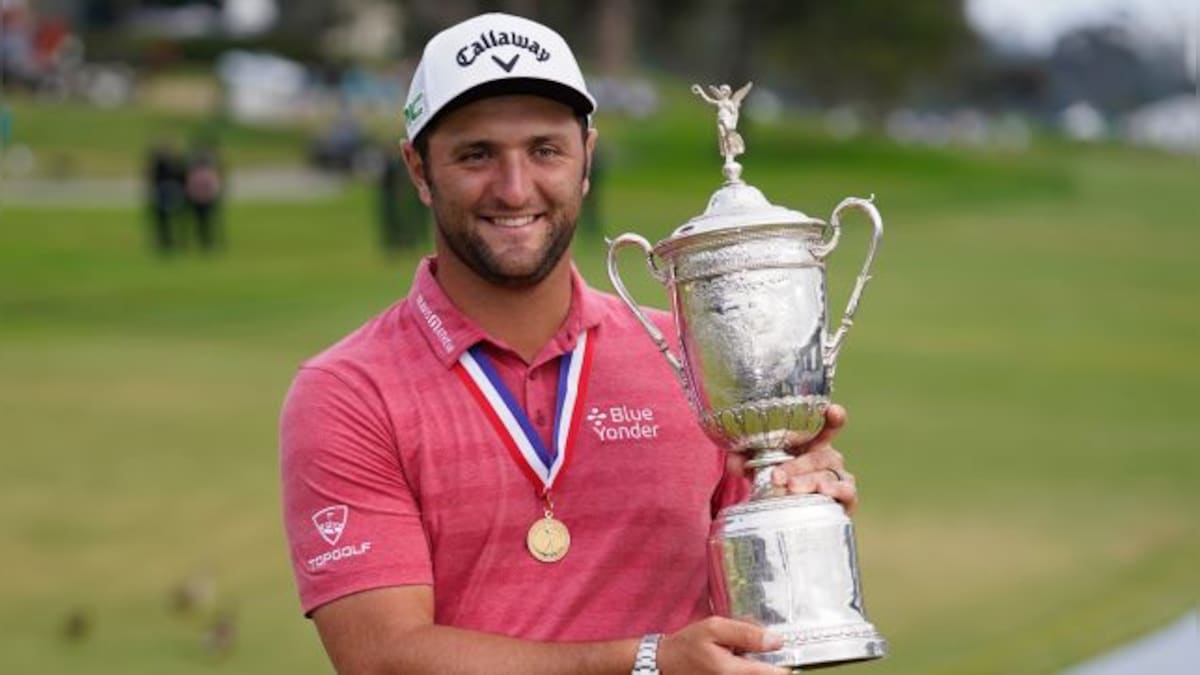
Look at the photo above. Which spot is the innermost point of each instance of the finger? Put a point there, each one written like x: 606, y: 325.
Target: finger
x: 822, y: 481
x: 816, y: 459
x: 740, y: 664
x: 749, y: 667
x: 835, y: 419
x: 759, y: 640
x: 844, y: 491
x: 836, y: 415
x: 743, y: 636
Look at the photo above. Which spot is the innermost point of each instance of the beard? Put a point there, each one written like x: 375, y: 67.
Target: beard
x: 471, y: 248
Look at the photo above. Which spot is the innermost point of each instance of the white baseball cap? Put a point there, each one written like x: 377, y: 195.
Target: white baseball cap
x: 491, y: 55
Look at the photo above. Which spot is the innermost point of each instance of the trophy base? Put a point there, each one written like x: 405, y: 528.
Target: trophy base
x: 827, y: 653
x: 789, y: 564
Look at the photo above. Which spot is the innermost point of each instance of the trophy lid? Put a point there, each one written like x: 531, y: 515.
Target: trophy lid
x: 738, y: 205
x: 735, y: 204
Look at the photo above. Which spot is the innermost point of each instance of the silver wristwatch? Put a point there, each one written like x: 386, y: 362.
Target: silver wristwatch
x: 646, y: 661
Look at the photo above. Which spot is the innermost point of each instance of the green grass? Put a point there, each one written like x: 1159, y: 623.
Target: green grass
x: 1022, y: 383
x: 70, y: 141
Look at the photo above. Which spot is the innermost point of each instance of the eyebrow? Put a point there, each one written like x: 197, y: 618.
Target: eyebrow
x: 487, y: 144
x: 549, y: 138
x: 464, y: 146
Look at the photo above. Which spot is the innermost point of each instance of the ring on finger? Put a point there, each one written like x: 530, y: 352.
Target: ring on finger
x: 836, y: 474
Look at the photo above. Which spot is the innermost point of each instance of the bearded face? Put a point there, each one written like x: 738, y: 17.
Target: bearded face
x: 505, y: 177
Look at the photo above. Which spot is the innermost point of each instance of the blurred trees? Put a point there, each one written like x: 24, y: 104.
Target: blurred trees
x: 1113, y: 68
x: 869, y: 52
x: 873, y: 54
x: 1110, y: 67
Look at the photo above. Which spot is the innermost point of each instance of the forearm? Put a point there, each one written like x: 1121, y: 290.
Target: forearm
x: 443, y: 650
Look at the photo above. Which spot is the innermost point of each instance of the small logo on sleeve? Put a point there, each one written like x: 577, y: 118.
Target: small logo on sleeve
x: 331, y: 522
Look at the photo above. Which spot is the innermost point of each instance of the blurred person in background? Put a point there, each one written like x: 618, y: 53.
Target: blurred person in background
x: 402, y: 216
x: 591, y: 219
x: 17, y: 62
x: 164, y: 189
x: 448, y: 509
x: 203, y: 185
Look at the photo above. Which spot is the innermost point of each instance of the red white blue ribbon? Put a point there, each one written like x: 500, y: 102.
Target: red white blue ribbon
x: 541, y: 465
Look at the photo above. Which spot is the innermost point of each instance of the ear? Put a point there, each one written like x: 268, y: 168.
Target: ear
x: 416, y: 172
x: 589, y: 154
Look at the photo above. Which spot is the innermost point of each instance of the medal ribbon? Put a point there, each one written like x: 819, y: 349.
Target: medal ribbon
x: 541, y: 465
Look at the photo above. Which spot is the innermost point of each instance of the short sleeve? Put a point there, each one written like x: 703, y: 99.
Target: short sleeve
x: 351, y: 520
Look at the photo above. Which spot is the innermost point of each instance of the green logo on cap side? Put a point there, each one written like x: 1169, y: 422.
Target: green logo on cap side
x: 413, y: 110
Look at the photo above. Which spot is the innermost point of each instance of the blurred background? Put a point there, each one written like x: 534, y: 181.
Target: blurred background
x: 195, y: 196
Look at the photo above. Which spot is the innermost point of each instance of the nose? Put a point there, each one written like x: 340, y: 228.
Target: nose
x: 513, y: 185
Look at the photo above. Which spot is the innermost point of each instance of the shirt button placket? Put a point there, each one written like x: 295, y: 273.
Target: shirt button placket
x: 533, y: 400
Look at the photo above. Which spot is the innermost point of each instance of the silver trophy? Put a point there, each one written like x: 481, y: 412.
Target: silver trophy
x: 746, y: 281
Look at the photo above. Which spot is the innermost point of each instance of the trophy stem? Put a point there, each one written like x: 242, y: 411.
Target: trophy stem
x: 763, y: 462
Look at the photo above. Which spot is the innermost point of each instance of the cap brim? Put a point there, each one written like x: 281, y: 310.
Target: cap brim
x: 567, y: 95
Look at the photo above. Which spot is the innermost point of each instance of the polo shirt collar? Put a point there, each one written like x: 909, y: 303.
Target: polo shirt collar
x: 448, y: 332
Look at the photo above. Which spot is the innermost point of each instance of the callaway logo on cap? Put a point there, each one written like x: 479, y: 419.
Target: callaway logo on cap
x: 491, y: 55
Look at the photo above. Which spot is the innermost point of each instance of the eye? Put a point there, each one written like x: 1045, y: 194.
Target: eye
x: 546, y: 151
x: 473, y: 155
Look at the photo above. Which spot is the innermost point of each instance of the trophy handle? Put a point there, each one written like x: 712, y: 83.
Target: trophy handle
x: 614, y: 275
x: 833, y: 344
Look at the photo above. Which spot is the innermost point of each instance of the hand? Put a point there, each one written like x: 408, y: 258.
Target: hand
x: 708, y: 646
x: 817, y: 467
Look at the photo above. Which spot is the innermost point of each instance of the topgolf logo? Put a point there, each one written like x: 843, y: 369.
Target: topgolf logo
x: 331, y: 522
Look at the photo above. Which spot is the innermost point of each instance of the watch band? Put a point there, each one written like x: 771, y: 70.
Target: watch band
x: 646, y: 661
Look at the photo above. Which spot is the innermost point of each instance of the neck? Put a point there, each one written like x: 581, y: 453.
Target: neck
x: 524, y: 318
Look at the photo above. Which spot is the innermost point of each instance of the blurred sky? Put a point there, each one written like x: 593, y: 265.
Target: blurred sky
x: 1034, y: 25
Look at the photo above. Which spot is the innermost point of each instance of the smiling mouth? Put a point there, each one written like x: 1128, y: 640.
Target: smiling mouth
x: 512, y: 221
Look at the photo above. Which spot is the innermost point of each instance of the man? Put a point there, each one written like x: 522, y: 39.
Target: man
x: 202, y: 189
x: 498, y: 474
x: 165, y: 189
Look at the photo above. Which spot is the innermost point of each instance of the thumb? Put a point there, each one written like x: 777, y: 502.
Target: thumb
x: 746, y: 637
x: 835, y: 419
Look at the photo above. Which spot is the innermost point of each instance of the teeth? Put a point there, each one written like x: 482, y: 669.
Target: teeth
x: 513, y: 221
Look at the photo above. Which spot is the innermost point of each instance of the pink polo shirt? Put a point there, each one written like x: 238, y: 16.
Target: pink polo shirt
x: 392, y: 475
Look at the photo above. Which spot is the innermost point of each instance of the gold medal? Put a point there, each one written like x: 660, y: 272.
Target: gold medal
x: 548, y: 539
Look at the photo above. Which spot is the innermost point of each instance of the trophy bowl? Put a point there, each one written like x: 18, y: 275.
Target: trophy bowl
x: 749, y: 309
